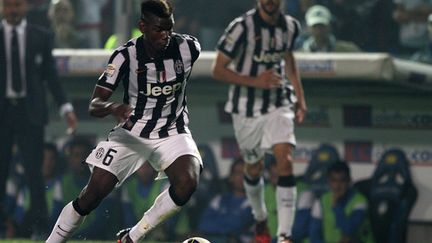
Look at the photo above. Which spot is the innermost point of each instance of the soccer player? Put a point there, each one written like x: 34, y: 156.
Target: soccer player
x: 265, y: 97
x: 154, y: 69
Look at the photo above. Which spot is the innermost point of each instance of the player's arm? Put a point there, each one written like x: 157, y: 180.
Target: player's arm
x: 220, y: 71
x: 100, y: 106
x: 293, y: 75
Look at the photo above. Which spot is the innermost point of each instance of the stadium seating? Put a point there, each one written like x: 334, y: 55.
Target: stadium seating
x: 391, y: 194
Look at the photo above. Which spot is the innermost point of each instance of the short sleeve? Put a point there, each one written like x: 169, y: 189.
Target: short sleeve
x: 194, y: 46
x: 231, y: 41
x: 294, y: 28
x: 116, y: 68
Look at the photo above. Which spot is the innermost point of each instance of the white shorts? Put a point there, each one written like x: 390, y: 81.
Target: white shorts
x: 125, y: 153
x: 257, y: 135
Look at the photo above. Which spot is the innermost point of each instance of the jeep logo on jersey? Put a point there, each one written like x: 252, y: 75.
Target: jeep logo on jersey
x: 155, y: 90
x: 269, y: 57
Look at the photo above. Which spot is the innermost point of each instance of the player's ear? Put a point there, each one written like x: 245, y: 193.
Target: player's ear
x: 142, y: 26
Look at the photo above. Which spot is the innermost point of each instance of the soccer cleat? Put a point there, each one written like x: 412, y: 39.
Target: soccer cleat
x: 283, y: 238
x: 262, y: 234
x: 123, y: 236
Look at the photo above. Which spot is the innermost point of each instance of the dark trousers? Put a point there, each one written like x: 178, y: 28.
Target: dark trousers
x: 15, y: 127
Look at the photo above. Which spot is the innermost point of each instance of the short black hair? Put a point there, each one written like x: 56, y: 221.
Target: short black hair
x: 340, y: 167
x: 160, y: 8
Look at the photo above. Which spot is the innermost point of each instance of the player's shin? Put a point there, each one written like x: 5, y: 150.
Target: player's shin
x: 255, y: 194
x: 286, y: 197
x: 68, y: 221
x: 162, y: 208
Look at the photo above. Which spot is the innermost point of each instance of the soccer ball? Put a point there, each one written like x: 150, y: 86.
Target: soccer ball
x: 196, y: 240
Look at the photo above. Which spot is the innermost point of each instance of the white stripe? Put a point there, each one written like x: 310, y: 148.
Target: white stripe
x: 233, y: 37
x: 279, y: 39
x: 117, y: 62
x: 185, y: 54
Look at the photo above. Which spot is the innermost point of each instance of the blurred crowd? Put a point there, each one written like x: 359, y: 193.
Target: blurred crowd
x: 402, y: 28
x: 219, y: 210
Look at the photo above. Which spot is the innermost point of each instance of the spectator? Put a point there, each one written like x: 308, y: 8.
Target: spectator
x: 318, y: 19
x: 61, y: 15
x: 228, y: 218
x: 425, y: 55
x: 340, y: 215
x: 349, y: 15
x: 297, y: 9
x: 18, y: 193
x: 411, y: 15
x: 28, y: 72
x: 89, y: 20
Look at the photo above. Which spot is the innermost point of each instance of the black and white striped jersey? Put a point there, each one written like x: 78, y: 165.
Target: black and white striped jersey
x: 255, y: 46
x: 154, y: 88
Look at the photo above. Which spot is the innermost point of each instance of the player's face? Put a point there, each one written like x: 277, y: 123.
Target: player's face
x: 157, y: 32
x: 270, y: 7
x: 14, y: 11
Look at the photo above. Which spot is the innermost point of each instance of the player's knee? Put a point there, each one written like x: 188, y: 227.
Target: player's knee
x: 83, y: 207
x: 182, y: 190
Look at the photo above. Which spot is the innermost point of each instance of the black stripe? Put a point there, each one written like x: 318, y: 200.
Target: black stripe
x: 180, y: 123
x: 288, y: 94
x: 254, y: 69
x: 242, y: 39
x: 163, y: 132
x: 266, y: 101
x: 250, y: 101
x: 266, y: 93
x: 194, y: 52
x: 240, y: 67
x: 294, y: 36
x: 125, y: 76
x: 115, y: 53
x: 284, y: 26
x: 157, y: 110
x: 141, y: 80
x: 235, y: 99
x: 279, y: 97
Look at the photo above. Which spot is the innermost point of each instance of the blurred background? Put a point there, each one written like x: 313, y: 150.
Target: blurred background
x: 369, y: 91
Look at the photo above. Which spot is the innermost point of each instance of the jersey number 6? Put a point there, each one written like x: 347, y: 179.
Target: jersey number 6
x: 109, y: 157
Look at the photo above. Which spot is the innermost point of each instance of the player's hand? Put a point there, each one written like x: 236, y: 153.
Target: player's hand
x: 72, y: 122
x: 300, y: 113
x: 121, y: 111
x: 268, y: 79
